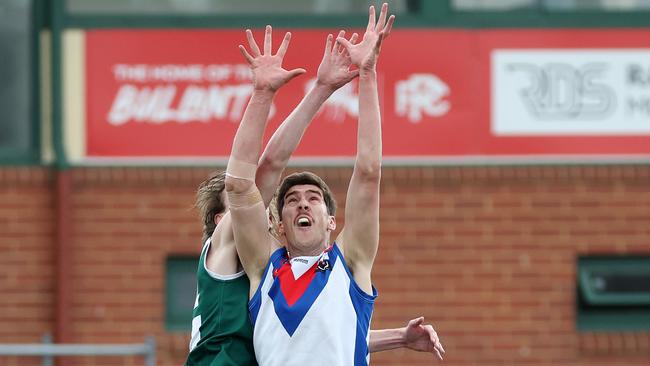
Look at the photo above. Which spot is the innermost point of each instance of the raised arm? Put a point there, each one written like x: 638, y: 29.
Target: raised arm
x: 416, y: 336
x: 333, y: 72
x: 360, y: 237
x: 249, y: 220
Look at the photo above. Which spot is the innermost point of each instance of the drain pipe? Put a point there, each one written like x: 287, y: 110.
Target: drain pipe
x: 63, y: 182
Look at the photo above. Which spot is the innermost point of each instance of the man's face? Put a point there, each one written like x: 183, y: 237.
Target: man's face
x: 305, y: 220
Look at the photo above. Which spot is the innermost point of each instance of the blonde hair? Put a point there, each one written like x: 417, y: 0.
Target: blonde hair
x: 275, y: 218
x: 209, y: 201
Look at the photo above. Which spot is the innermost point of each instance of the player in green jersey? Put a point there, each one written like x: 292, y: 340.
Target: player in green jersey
x: 221, y: 328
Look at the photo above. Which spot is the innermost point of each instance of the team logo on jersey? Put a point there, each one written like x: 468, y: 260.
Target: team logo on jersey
x: 292, y: 298
x: 323, y: 265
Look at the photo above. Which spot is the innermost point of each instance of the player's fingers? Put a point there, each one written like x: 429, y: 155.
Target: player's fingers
x: 382, y: 18
x: 438, y: 355
x: 295, y: 72
x: 246, y: 55
x: 429, y: 329
x: 285, y: 43
x: 328, y: 45
x: 339, y: 48
x: 345, y: 43
x: 353, y: 41
x: 371, y: 19
x: 267, y: 40
x: 353, y: 74
x: 433, y: 337
x: 354, y: 38
x: 379, y: 41
x: 416, y: 322
x: 251, y: 42
x: 389, y: 26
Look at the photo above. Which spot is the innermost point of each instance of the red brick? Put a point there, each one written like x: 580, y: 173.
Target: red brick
x: 487, y: 254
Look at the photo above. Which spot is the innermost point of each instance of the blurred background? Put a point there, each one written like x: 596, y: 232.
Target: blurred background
x: 515, y: 202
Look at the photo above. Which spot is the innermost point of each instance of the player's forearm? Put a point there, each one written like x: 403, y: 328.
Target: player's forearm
x: 368, y: 159
x: 287, y: 137
x: 248, y: 139
x: 247, y: 212
x: 386, y: 339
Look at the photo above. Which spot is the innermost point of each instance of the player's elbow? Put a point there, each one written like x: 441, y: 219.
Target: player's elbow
x: 271, y: 164
x: 237, y: 185
x: 368, y: 170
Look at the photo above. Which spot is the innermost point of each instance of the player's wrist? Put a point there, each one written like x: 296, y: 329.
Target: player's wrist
x: 401, y: 336
x: 325, y: 86
x: 263, y: 92
x: 368, y: 72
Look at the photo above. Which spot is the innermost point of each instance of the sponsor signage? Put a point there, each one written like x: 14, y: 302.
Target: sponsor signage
x: 569, y: 92
x: 444, y: 94
x: 183, y: 93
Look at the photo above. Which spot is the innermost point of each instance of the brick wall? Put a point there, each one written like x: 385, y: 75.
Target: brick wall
x: 26, y: 258
x: 486, y: 254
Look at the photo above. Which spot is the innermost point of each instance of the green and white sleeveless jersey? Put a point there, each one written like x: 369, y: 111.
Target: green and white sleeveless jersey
x: 221, y: 328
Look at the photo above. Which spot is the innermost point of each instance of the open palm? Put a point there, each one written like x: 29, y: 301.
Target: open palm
x: 365, y: 53
x: 334, y: 70
x: 268, y: 73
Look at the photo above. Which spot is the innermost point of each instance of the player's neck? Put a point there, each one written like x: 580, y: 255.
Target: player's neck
x: 309, y: 251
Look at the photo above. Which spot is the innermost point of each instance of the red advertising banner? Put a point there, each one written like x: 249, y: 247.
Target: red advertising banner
x: 181, y: 93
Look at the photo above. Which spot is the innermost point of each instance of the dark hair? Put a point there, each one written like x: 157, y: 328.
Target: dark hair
x: 210, y: 202
x: 306, y: 178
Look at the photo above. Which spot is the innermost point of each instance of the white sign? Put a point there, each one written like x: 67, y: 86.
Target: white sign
x: 570, y: 92
x: 421, y: 94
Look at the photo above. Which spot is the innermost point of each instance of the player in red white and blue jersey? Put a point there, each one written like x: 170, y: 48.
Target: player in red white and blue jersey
x: 311, y: 302
x: 221, y: 334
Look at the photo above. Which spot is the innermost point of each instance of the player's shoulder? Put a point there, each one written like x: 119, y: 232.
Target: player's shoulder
x: 221, y: 255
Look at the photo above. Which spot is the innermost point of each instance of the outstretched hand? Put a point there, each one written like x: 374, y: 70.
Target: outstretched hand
x: 268, y: 73
x: 334, y: 70
x: 364, y: 54
x: 422, y: 338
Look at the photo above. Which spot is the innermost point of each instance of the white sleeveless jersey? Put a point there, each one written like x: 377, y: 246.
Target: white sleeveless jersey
x: 310, y: 311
